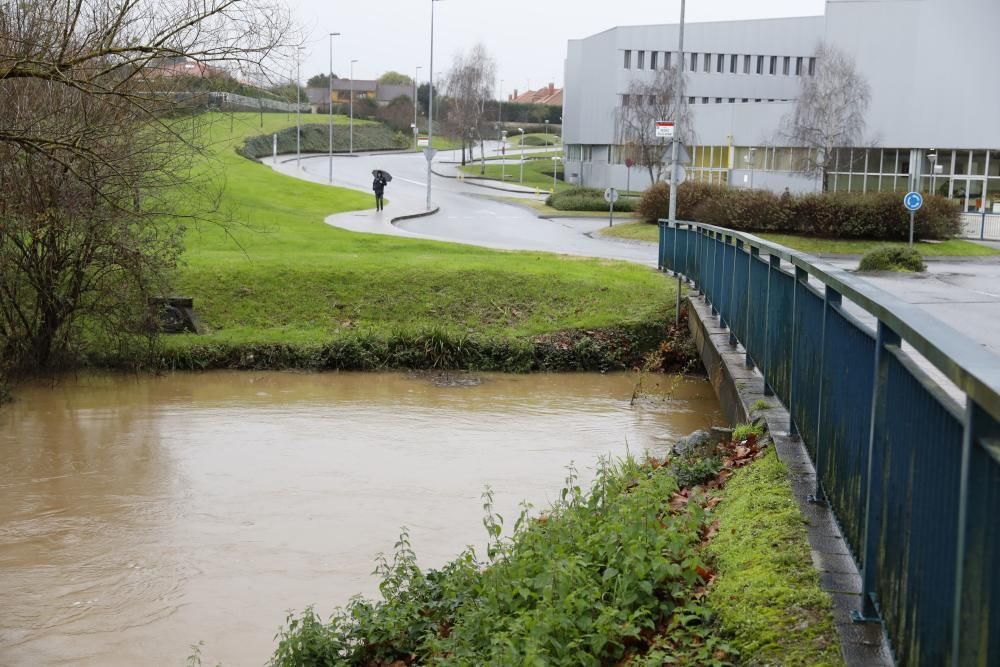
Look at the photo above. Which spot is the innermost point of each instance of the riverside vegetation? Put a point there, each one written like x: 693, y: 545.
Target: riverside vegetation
x: 698, y: 559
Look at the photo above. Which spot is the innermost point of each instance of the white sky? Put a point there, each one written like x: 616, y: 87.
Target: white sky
x: 526, y: 37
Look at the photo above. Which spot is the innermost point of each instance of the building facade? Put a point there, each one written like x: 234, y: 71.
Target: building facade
x: 933, y: 122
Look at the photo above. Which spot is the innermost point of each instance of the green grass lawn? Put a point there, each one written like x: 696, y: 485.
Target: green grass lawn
x: 642, y: 231
x: 537, y: 174
x: 280, y: 274
x: 546, y: 211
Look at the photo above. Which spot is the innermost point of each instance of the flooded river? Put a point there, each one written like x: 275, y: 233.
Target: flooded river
x: 139, y: 516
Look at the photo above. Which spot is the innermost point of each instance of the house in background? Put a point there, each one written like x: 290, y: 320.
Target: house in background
x: 370, y: 89
x: 548, y: 95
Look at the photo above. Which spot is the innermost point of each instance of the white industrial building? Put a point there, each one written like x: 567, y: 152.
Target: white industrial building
x: 932, y: 65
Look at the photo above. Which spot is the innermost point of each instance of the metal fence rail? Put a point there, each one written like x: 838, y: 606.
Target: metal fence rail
x: 912, y: 476
x: 984, y: 226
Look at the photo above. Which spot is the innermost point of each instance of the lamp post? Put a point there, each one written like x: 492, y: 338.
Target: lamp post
x: 298, y: 104
x: 351, y: 131
x: 416, y: 130
x: 500, y: 115
x: 546, y: 129
x: 521, y: 130
x: 932, y: 158
x: 503, y: 156
x: 330, y: 103
x: 430, y: 113
x: 555, y: 168
x: 675, y: 142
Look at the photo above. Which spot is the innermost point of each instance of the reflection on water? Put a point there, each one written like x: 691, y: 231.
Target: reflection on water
x: 141, y: 515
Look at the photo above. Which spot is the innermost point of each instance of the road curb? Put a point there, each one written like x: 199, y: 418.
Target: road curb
x: 411, y: 216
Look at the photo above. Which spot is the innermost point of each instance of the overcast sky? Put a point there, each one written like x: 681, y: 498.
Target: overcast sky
x: 526, y: 37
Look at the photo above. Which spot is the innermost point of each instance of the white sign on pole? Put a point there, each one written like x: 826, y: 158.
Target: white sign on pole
x: 665, y: 129
x: 422, y: 141
x: 611, y: 195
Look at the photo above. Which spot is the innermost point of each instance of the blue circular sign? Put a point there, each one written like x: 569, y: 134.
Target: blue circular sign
x: 913, y: 201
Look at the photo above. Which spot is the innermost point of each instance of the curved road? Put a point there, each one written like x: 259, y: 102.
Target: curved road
x: 467, y: 212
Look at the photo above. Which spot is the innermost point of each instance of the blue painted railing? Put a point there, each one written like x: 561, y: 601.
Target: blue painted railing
x: 912, y: 474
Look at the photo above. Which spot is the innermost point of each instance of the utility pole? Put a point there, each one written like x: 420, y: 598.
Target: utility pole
x: 352, y: 108
x: 674, y: 149
x: 298, y: 104
x: 430, y: 113
x: 330, y: 103
x: 416, y: 130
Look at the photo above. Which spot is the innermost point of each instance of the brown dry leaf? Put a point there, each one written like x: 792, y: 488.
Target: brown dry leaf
x: 678, y: 501
x: 742, y: 452
x: 714, y: 500
x: 710, y: 531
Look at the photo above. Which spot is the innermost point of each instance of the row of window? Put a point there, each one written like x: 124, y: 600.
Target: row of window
x: 722, y: 63
x: 636, y: 100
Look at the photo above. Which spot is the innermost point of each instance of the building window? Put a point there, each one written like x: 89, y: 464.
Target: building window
x: 718, y: 100
x: 798, y: 66
x: 588, y: 153
x: 812, y: 67
x: 720, y: 63
x: 774, y: 65
x: 694, y: 62
x: 691, y: 100
x: 787, y: 66
x: 625, y: 100
x: 704, y: 100
x: 732, y: 100
x: 708, y: 63
x: 667, y: 59
x: 652, y: 100
x: 652, y: 59
x: 574, y: 152
x: 746, y: 64
x: 640, y: 61
x: 733, y: 60
x: 760, y: 64
x: 628, y: 59
x: 746, y: 99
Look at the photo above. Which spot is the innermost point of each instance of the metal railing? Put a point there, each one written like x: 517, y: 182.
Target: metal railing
x: 912, y: 475
x: 982, y: 225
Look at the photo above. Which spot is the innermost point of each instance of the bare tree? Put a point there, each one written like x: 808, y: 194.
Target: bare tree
x: 645, y: 103
x: 829, y: 113
x: 96, y: 158
x: 469, y: 87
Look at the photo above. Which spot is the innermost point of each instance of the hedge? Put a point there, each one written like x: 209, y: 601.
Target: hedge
x: 878, y: 216
x: 587, y: 199
x: 315, y: 139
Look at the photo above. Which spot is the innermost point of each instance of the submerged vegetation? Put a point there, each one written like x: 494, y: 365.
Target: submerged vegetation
x: 654, y: 565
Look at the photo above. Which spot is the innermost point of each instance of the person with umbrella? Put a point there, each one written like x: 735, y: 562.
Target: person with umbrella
x: 382, y: 179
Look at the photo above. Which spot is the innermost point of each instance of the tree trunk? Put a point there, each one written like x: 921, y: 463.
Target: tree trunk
x: 482, y: 155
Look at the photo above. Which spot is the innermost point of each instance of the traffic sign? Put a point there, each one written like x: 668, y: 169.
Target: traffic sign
x: 665, y: 129
x: 611, y: 195
x: 423, y: 141
x: 913, y: 201
x: 429, y: 153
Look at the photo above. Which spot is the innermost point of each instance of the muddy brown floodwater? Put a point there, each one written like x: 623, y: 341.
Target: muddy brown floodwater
x: 139, y: 516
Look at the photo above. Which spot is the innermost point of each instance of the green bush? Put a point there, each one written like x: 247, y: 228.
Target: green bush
x: 892, y: 258
x: 587, y: 199
x: 879, y: 216
x: 654, y: 204
x: 535, y: 140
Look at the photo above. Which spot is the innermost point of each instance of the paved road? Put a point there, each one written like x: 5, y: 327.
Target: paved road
x: 466, y: 213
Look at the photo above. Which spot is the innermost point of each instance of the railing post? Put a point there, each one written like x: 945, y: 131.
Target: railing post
x: 774, y: 264
x: 732, y: 293
x: 800, y: 277
x: 831, y: 299
x: 715, y: 276
x: 661, y: 249
x: 697, y: 254
x: 677, y: 272
x: 754, y: 256
x: 873, y: 507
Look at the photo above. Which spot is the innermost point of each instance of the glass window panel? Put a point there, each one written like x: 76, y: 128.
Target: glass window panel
x: 628, y: 59
x: 812, y: 67
x: 858, y: 161
x: 904, y: 166
x: 746, y: 64
x: 975, y: 195
x: 773, y: 69
x: 760, y: 64
x: 733, y: 60
x: 786, y: 68
x: 694, y: 62
x: 798, y: 66
x: 653, y: 57
x: 889, y: 160
x: 871, y: 183
x: 668, y: 59
x: 978, y: 163
x: 707, y: 63
x: 993, y: 195
x: 994, y: 166
x: 641, y: 60
x: 874, y: 159
x: 961, y: 163
x: 720, y: 64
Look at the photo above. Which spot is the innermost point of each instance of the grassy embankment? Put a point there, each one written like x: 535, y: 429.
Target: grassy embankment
x: 537, y: 173
x: 282, y: 289
x: 642, y: 231
x: 533, y: 140
x: 700, y: 560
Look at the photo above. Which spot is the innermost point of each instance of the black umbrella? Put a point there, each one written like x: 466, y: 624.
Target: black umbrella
x: 386, y: 175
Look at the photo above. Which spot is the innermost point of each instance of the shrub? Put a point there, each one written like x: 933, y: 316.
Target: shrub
x: 587, y: 199
x: 315, y: 139
x: 746, y: 210
x: 655, y: 201
x: 892, y: 258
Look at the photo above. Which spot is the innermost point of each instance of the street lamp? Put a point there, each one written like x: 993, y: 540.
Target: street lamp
x: 416, y: 77
x: 352, y: 108
x: 430, y: 113
x: 298, y: 104
x: 521, y: 130
x: 932, y: 158
x: 330, y: 103
x: 503, y: 156
x: 546, y: 129
x: 555, y: 168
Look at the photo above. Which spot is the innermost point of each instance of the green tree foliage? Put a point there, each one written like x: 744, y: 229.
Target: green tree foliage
x: 393, y: 78
x: 321, y: 80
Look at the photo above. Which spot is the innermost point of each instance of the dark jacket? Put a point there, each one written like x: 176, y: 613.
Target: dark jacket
x: 379, y: 186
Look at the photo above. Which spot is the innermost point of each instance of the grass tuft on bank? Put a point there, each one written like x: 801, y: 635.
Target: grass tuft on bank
x: 766, y: 593
x: 273, y: 280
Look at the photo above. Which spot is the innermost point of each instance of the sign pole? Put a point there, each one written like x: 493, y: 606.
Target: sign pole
x: 913, y: 201
x: 611, y: 214
x: 912, y: 216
